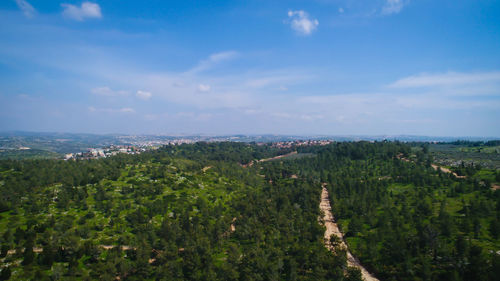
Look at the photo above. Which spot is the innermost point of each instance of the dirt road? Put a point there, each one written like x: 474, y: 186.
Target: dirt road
x: 277, y: 157
x: 332, y: 228
x: 250, y: 164
x: 446, y: 170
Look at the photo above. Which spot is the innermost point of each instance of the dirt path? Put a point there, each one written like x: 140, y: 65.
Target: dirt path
x: 332, y: 228
x: 250, y: 164
x: 443, y: 169
x: 35, y: 250
x: 277, y: 157
x: 446, y: 170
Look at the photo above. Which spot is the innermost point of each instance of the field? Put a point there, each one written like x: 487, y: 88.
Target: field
x: 454, y: 155
x: 27, y: 154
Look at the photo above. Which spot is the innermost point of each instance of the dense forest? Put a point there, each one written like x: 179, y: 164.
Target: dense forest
x: 404, y: 219
x: 198, y: 212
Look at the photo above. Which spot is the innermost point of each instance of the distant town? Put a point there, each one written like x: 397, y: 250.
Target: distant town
x: 139, y: 147
x: 295, y: 143
x: 36, y: 145
x: 94, y: 153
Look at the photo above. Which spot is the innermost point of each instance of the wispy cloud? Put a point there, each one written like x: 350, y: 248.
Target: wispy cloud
x: 221, y: 91
x: 107, y: 91
x: 275, y: 79
x: 203, y: 88
x: 143, y: 95
x: 111, y: 110
x: 127, y: 110
x: 411, y: 98
x: 86, y: 10
x: 296, y: 116
x: 194, y: 116
x: 446, y: 79
x: 213, y: 60
x: 26, y: 7
x: 393, y: 6
x: 301, y: 23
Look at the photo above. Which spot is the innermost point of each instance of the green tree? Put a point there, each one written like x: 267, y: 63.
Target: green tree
x: 5, y: 273
x: 353, y: 274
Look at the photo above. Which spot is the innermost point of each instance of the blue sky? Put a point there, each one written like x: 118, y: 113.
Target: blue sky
x: 336, y: 67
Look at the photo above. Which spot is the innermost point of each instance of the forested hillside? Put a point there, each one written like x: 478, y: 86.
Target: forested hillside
x: 404, y: 219
x: 180, y: 213
x: 198, y: 212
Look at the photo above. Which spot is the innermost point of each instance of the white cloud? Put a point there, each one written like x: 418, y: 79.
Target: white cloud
x: 300, y: 22
x: 217, y: 57
x: 127, y: 110
x: 251, y: 111
x: 85, y: 11
x: 296, y: 116
x: 194, y: 116
x: 228, y: 91
x: 212, y: 60
x: 311, y: 117
x: 26, y: 7
x: 401, y: 102
x: 106, y: 91
x: 261, y: 82
x: 393, y: 6
x: 276, y: 79
x: 111, y: 110
x: 203, y: 88
x: 234, y: 90
x: 143, y: 95
x: 446, y: 79
x: 341, y: 10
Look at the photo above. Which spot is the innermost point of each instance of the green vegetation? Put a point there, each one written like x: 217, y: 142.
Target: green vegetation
x: 27, y: 154
x: 197, y: 212
x: 403, y: 219
x: 485, y: 154
x: 161, y: 216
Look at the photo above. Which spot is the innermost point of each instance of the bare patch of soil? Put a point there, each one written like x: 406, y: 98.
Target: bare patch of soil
x: 446, y: 170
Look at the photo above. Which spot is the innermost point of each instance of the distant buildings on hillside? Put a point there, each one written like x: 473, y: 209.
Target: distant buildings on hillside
x: 289, y: 144
x: 94, y: 153
x: 139, y: 147
x: 136, y: 148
